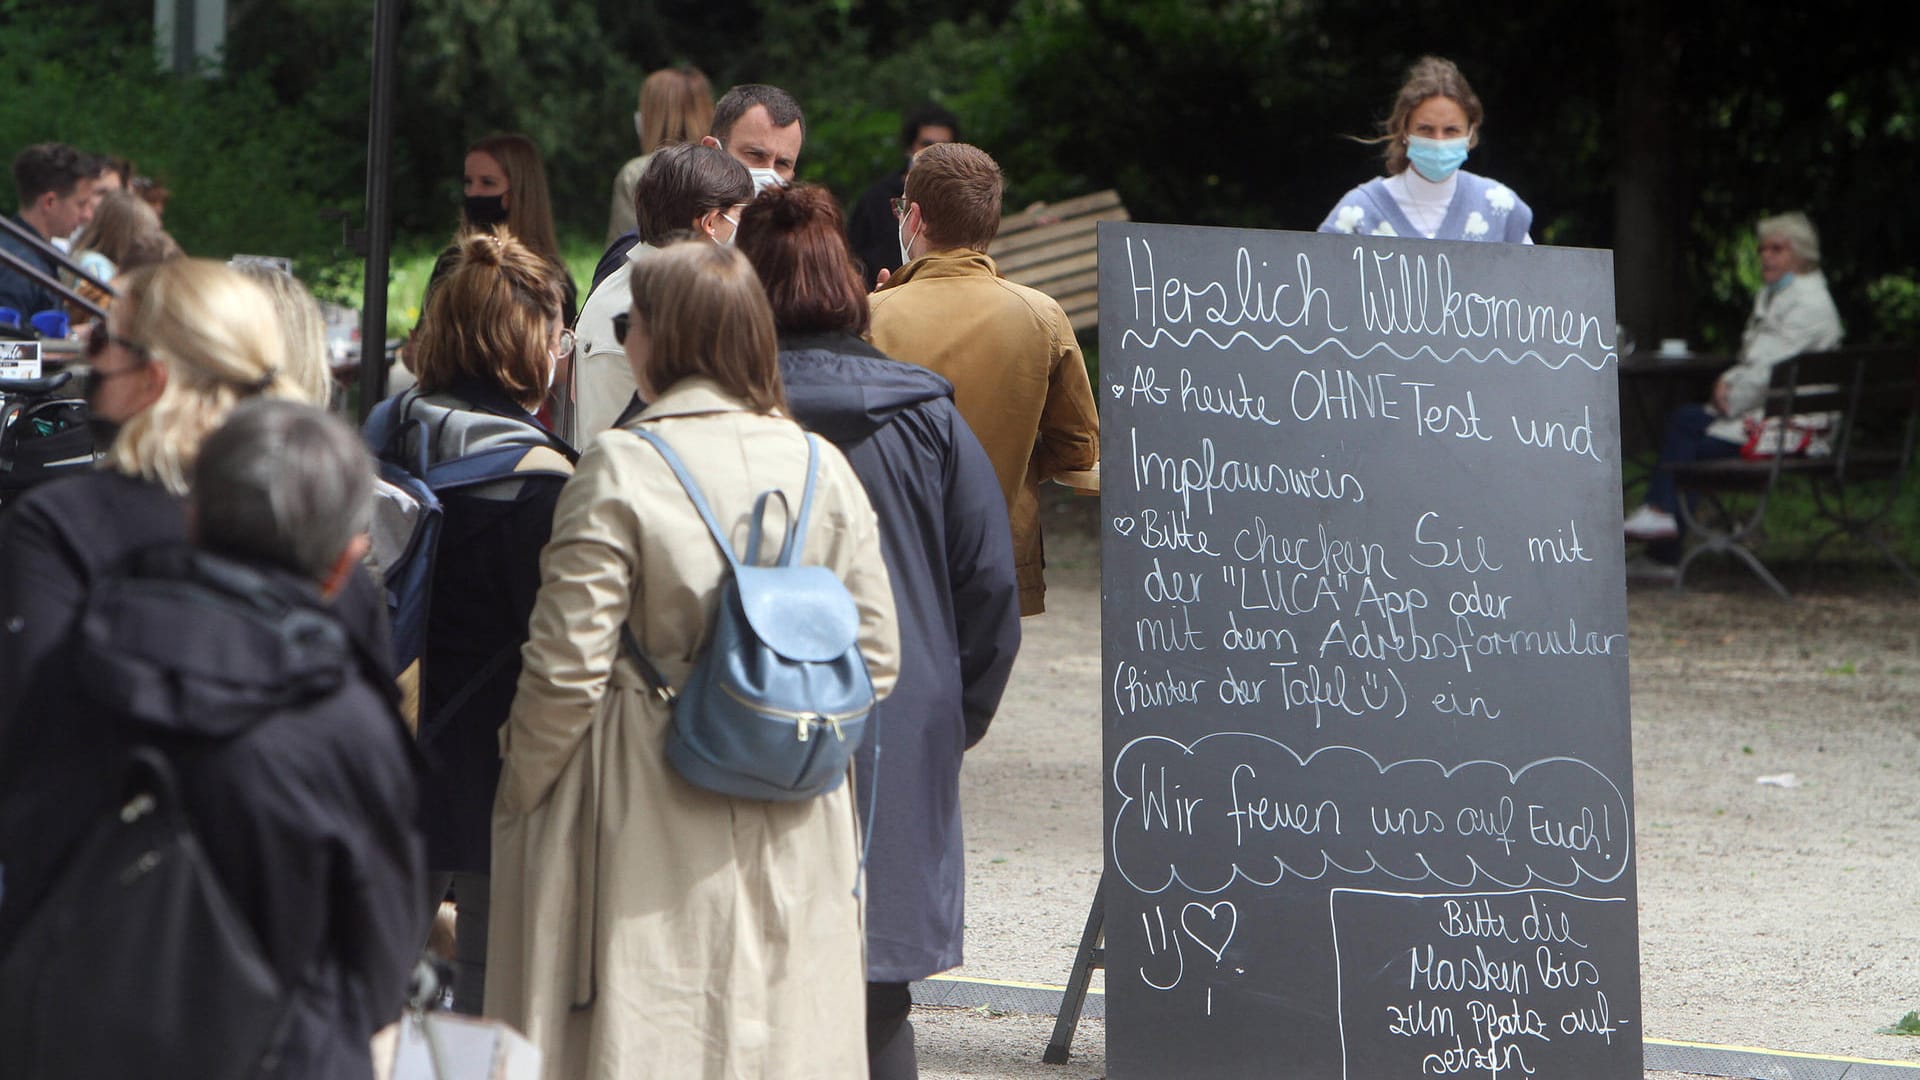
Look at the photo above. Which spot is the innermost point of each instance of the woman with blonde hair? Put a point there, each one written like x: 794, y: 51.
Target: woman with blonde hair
x: 486, y: 351
x: 185, y: 342
x: 676, y: 106
x: 1434, y: 123
x: 304, y: 327
x: 643, y: 926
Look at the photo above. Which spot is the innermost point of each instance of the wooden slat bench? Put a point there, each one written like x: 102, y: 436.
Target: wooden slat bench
x: 1053, y: 248
x: 1875, y: 391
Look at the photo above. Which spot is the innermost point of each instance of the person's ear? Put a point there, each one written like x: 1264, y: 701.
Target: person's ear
x: 707, y: 223
x: 153, y: 383
x: 342, y: 569
x: 708, y: 140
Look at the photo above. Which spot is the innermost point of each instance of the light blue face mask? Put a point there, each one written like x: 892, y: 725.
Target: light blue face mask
x: 1436, y: 159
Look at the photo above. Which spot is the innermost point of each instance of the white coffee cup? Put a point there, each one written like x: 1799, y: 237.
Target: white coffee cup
x: 1673, y: 346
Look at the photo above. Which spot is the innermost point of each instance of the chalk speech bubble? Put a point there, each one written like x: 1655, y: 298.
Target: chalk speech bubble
x: 1236, y: 805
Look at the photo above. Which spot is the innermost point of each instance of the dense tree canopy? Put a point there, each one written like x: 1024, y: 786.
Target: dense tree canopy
x: 1659, y: 130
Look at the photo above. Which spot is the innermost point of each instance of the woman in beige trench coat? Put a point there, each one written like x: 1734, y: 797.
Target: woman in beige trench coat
x: 643, y: 927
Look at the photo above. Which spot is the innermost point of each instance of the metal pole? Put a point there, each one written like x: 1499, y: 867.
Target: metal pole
x: 373, y: 304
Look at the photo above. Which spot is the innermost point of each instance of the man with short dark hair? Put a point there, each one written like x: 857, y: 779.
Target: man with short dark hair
x: 279, y: 722
x: 761, y: 127
x: 55, y: 185
x: 870, y: 228
x: 1018, y: 377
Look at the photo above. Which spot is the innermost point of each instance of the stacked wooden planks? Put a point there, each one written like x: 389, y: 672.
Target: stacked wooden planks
x: 1052, y: 247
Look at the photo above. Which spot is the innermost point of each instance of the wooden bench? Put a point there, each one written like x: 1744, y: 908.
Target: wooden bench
x: 1875, y: 392
x: 1053, y: 247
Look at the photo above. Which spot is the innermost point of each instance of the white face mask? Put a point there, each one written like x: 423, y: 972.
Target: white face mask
x: 764, y: 179
x: 732, y: 236
x: 905, y: 243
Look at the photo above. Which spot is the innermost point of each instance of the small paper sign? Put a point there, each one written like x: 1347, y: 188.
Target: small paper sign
x: 19, y: 359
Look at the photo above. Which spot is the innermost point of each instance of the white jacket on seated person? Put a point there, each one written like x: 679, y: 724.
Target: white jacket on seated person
x: 1792, y: 316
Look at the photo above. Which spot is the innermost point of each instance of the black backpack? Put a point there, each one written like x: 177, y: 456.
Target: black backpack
x: 136, y: 962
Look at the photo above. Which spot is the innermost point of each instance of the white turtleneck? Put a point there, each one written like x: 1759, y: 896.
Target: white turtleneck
x: 1423, y: 201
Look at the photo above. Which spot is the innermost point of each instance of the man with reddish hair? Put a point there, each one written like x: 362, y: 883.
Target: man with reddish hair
x: 1018, y: 377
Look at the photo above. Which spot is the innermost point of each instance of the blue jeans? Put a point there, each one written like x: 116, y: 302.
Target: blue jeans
x: 1686, y: 442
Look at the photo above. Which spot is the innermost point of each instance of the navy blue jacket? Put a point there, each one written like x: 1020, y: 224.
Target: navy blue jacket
x: 486, y: 575
x: 949, y: 551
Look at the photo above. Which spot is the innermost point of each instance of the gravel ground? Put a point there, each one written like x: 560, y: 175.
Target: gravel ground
x: 1770, y: 916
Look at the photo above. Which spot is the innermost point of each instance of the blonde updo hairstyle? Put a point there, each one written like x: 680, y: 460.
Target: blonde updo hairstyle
x: 218, y: 335
x: 492, y: 319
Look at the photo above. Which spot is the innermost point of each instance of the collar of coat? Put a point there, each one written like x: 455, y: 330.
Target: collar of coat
x: 693, y: 396
x: 945, y: 263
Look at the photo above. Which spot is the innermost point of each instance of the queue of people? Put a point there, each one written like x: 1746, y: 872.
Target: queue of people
x: 628, y: 920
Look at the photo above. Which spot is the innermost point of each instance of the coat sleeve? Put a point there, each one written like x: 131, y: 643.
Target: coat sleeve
x: 986, y: 596
x: 42, y: 586
x: 1069, y: 437
x: 386, y: 909
x: 589, y: 575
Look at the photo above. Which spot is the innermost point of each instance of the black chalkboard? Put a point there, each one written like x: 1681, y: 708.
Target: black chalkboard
x: 1369, y: 795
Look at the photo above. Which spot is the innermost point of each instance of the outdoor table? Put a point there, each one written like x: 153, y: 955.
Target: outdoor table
x: 1652, y: 385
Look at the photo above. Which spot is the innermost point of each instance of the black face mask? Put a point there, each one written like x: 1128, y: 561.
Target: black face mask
x: 103, y: 430
x: 486, y: 210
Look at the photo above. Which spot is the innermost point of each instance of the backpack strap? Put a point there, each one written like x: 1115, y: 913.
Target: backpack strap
x: 797, y: 531
x: 693, y: 490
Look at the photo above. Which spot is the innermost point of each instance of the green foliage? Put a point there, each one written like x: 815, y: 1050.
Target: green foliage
x: 1894, y: 300
x: 242, y: 166
x: 1907, y: 1025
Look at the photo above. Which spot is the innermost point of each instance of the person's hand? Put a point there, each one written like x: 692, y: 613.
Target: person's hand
x: 880, y: 280
x: 1720, y: 397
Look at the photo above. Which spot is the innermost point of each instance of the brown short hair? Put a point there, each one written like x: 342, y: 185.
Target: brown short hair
x: 958, y: 188
x: 529, y: 210
x: 797, y: 243
x: 491, y: 319
x: 676, y: 106
x: 1429, y: 77
x: 683, y: 182
x: 704, y: 313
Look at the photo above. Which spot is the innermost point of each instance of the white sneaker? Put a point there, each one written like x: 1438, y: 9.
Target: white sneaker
x: 1647, y: 523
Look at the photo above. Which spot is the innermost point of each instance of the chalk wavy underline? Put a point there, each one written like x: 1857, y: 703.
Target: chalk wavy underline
x: 1269, y: 346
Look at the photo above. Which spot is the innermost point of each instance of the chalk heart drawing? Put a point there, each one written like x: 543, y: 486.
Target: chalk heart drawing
x: 1206, y: 923
x: 1123, y: 525
x: 1119, y: 390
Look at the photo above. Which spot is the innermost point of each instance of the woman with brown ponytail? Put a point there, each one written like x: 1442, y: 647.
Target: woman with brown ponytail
x: 486, y: 353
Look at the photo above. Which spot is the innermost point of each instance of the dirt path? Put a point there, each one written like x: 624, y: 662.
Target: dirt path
x: 1770, y: 916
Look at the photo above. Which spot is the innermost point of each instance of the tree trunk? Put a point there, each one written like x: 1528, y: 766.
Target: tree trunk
x: 1650, y: 211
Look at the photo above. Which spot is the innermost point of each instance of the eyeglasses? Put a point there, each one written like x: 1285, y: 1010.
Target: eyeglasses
x: 98, y: 338
x: 899, y: 204
x: 620, y: 324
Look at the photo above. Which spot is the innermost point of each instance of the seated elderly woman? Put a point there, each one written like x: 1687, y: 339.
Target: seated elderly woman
x: 1792, y: 314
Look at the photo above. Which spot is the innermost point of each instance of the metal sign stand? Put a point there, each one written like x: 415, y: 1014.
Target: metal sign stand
x: 1092, y: 954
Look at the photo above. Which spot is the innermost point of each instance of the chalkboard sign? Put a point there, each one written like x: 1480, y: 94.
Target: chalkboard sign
x: 1369, y: 798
